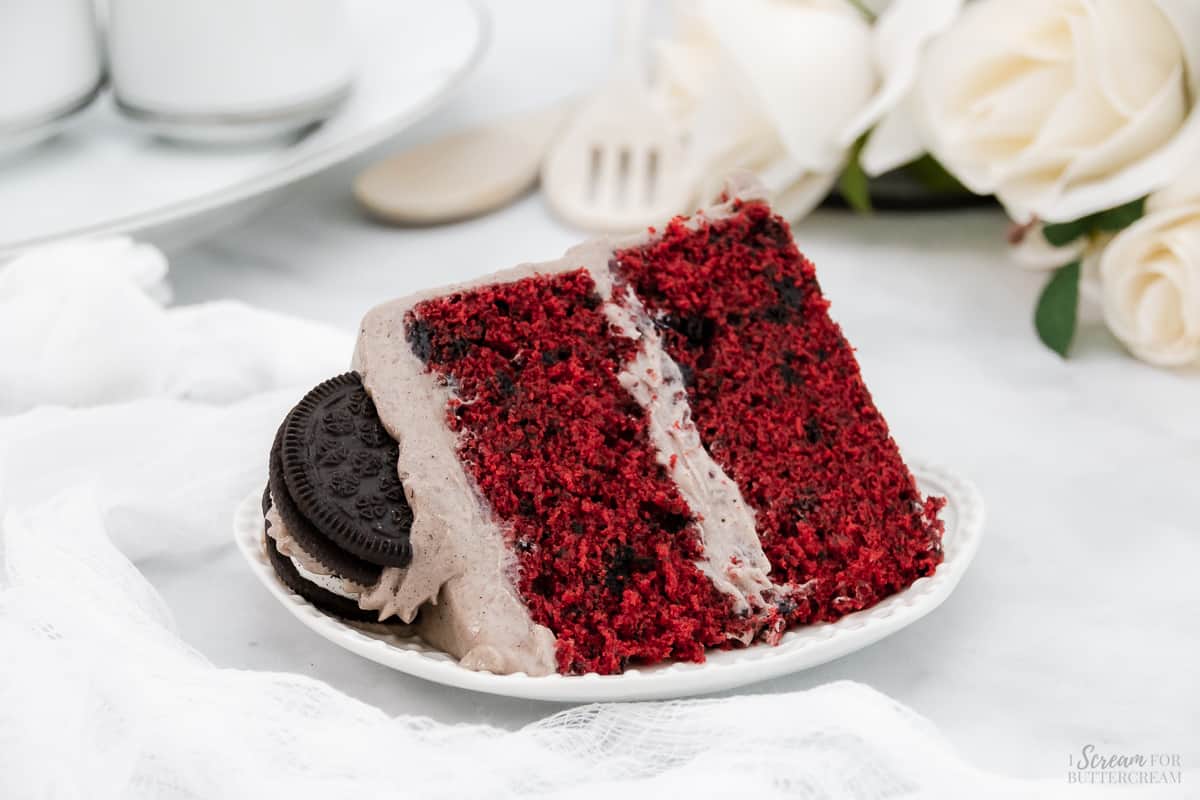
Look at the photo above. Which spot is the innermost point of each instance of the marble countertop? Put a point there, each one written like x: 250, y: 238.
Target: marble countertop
x: 1077, y: 622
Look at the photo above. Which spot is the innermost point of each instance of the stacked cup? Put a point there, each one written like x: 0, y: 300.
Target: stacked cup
x: 50, y: 67
x: 196, y: 70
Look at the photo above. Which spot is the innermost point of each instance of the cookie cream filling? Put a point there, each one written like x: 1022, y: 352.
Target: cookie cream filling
x: 330, y: 583
x: 305, y: 563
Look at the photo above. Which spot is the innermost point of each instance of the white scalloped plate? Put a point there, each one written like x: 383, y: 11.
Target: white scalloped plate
x: 800, y: 649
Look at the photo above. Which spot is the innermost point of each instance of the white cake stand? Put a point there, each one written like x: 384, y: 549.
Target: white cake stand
x: 106, y: 174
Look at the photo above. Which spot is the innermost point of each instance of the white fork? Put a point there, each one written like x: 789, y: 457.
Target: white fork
x: 619, y: 164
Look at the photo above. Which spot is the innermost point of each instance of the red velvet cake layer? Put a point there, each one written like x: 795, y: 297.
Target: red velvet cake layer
x: 779, y: 402
x: 605, y: 544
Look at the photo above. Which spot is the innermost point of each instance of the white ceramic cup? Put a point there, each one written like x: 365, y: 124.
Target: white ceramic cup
x: 50, y: 66
x: 228, y: 69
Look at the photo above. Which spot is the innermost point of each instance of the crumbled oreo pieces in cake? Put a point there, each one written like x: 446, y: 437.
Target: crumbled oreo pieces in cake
x: 786, y: 606
x: 770, y: 232
x: 554, y: 356
x: 622, y: 566
x: 672, y: 522
x: 790, y: 294
x: 791, y: 376
x: 420, y: 338
x: 804, y: 505
x: 687, y: 373
x: 351, y: 500
x: 789, y: 299
x: 697, y: 330
x: 505, y: 385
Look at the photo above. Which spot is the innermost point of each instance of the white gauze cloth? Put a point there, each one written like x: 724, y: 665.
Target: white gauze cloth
x: 129, y: 429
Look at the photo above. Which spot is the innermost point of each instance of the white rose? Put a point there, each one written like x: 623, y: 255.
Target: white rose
x: 1063, y: 107
x: 783, y: 88
x: 768, y: 85
x: 1150, y: 277
x: 898, y: 43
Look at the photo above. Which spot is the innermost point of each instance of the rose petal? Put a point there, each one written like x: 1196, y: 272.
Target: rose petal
x: 803, y: 195
x: 1132, y: 53
x: 1148, y: 130
x: 1185, y: 189
x: 1034, y: 252
x: 1018, y: 109
x: 899, y: 36
x: 1184, y: 17
x: 808, y: 64
x: 1046, y: 36
x: 895, y: 141
x: 1183, y: 241
x: 1158, y: 316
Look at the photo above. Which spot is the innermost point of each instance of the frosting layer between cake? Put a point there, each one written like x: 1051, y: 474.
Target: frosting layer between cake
x: 732, y: 559
x: 776, y: 394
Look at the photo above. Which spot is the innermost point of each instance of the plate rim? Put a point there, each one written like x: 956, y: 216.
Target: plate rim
x: 263, y: 182
x: 801, y: 648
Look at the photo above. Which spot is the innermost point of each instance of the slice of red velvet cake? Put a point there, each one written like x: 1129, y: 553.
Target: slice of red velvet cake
x: 640, y: 451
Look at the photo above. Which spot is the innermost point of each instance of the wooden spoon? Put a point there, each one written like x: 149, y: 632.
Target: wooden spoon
x: 462, y: 175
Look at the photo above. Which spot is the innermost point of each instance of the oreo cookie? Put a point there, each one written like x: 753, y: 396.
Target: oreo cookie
x: 312, y: 540
x: 338, y: 464
x: 337, y: 444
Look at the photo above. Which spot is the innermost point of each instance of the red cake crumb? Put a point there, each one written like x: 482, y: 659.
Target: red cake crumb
x: 606, y: 545
x: 777, y: 396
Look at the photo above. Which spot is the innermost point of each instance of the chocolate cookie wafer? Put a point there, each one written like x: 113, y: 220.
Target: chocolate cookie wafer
x: 332, y: 450
x: 310, y: 538
x: 339, y: 465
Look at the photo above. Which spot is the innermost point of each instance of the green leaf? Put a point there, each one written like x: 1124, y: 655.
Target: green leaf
x: 864, y: 10
x: 1114, y: 219
x: 1120, y: 217
x: 1063, y: 233
x: 1058, y: 308
x: 853, y: 182
x: 930, y: 173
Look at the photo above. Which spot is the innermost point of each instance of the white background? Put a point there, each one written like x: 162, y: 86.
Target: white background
x: 1078, y: 622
